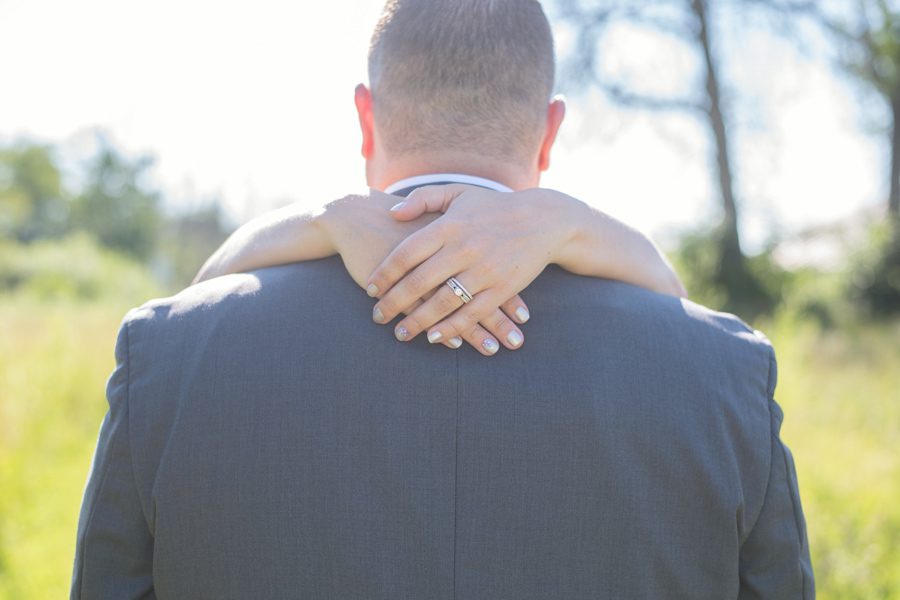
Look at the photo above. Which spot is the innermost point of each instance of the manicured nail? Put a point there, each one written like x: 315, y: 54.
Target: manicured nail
x: 435, y: 336
x: 522, y: 314
x: 372, y: 290
x: 377, y: 315
x: 490, y: 345
x: 397, y: 206
x: 456, y: 342
x: 402, y: 333
x: 514, y: 338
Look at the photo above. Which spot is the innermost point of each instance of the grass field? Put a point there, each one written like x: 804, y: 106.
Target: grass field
x: 840, y: 391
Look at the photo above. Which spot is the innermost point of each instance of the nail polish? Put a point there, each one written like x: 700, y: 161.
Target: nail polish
x: 514, y: 338
x: 372, y: 290
x: 435, y: 336
x: 397, y: 206
x: 522, y: 314
x: 456, y: 342
x: 402, y: 333
x: 377, y: 315
x: 490, y: 345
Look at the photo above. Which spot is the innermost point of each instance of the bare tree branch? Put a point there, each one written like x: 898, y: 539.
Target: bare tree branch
x: 650, y: 102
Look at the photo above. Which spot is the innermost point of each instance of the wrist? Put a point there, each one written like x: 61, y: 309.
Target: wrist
x: 569, y: 224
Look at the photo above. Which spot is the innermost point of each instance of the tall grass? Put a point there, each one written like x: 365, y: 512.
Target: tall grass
x: 54, y: 360
x: 840, y: 391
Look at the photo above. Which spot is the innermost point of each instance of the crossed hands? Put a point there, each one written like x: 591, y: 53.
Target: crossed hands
x: 493, y: 243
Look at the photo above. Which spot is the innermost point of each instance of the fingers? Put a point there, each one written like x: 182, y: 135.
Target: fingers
x: 483, y: 336
x: 453, y: 342
x: 482, y: 310
x: 516, y: 309
x: 442, y: 303
x: 503, y: 329
x: 416, y: 284
x: 481, y: 340
x: 430, y: 198
x: 414, y: 250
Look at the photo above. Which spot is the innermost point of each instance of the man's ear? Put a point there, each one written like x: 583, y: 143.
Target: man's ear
x: 363, y: 99
x: 556, y: 111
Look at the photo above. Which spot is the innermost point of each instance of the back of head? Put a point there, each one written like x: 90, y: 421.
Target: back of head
x: 462, y: 74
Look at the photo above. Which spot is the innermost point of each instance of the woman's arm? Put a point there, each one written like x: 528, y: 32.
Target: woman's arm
x: 603, y: 246
x: 278, y: 237
x: 496, y: 244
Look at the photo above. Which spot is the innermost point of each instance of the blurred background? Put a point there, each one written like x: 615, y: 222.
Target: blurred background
x: 758, y: 141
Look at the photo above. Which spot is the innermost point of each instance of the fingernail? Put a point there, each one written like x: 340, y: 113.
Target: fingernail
x: 456, y: 342
x: 402, y: 333
x: 514, y: 338
x: 522, y: 314
x: 490, y: 345
x: 435, y: 336
x: 397, y: 206
x: 372, y: 290
x: 377, y: 315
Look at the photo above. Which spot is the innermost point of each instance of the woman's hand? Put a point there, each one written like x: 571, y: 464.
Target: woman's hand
x: 364, y: 232
x: 360, y: 229
x: 496, y: 244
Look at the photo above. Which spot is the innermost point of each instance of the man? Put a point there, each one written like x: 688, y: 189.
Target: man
x: 266, y: 439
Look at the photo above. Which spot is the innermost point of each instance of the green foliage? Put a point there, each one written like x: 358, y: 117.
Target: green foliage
x: 747, y: 287
x: 875, y: 283
x: 32, y: 199
x: 75, y: 267
x: 840, y: 390
x: 54, y: 360
x: 116, y: 207
x: 188, y: 240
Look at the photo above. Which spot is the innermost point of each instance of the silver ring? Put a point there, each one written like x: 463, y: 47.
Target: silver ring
x: 460, y: 290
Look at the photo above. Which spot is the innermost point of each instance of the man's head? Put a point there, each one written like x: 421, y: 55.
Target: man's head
x: 459, y: 85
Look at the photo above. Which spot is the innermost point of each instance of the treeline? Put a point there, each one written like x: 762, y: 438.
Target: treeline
x: 107, y: 233
x: 862, y: 43
x: 105, y: 211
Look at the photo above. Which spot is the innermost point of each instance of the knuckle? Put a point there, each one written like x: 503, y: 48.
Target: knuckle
x: 389, y: 305
x: 501, y: 321
x: 446, y: 303
x: 414, y: 323
x: 469, y: 319
x: 402, y: 257
x: 415, y: 283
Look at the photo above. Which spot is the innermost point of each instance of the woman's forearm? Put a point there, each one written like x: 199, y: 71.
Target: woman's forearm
x: 278, y: 237
x: 601, y: 246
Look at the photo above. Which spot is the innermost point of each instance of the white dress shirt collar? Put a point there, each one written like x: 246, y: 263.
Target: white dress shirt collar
x: 420, y: 180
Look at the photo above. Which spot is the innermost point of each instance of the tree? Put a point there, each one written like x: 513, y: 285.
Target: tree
x: 870, y: 53
x: 115, y: 205
x: 869, y: 38
x: 690, y: 22
x: 33, y: 203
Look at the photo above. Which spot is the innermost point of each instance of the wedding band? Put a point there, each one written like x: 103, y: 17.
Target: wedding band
x: 460, y: 290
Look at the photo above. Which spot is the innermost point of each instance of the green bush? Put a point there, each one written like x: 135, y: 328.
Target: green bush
x: 875, y: 280
x: 75, y: 267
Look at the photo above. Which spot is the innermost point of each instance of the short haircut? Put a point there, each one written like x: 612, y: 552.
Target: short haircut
x: 463, y: 75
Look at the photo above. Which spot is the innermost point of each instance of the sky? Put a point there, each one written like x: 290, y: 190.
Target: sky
x: 252, y: 103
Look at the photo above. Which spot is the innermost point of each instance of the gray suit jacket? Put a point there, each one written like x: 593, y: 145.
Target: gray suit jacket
x: 265, y: 440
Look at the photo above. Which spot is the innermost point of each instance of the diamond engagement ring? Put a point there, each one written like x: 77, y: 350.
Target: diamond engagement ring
x: 460, y: 290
